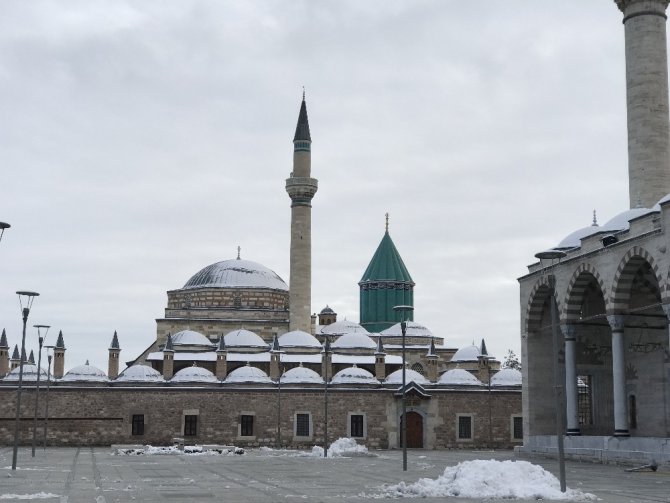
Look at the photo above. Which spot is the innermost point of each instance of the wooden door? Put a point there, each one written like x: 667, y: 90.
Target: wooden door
x: 414, y: 430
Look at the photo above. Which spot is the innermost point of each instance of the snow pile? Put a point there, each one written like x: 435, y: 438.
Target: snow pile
x: 150, y: 450
x: 342, y: 447
x: 36, y: 496
x: 489, y: 479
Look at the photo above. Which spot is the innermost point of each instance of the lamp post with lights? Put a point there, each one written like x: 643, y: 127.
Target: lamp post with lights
x: 326, y: 352
x: 46, y: 398
x: 40, y: 341
x: 403, y: 422
x: 3, y: 226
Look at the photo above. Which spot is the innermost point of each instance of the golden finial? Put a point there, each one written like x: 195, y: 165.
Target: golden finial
x: 387, y: 222
x: 239, y: 249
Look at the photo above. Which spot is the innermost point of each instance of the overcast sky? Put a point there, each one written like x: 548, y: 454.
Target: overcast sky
x: 143, y: 140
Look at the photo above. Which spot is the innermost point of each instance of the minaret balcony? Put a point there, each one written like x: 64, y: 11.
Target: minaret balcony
x: 301, y: 189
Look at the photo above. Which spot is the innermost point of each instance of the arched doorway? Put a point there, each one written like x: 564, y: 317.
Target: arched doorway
x: 414, y: 430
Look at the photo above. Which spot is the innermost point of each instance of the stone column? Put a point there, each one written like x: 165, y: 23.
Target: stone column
x: 571, y: 404
x: 168, y: 359
x: 380, y: 366
x: 327, y: 366
x: 275, y: 373
x: 647, y: 100
x: 221, y: 364
x: 619, y: 376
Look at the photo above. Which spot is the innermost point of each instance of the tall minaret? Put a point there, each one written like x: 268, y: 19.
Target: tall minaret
x: 647, y: 100
x: 301, y: 188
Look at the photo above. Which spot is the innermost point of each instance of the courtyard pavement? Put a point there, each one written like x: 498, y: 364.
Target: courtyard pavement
x: 95, y: 475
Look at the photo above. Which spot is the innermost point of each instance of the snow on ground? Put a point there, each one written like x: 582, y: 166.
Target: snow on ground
x: 340, y: 448
x: 196, y: 450
x: 36, y: 496
x: 488, y: 479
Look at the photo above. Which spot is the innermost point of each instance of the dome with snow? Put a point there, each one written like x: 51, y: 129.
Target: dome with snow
x: 343, y: 327
x: 244, y: 339
x: 621, y: 222
x: 248, y: 374
x: 85, y: 373
x: 327, y: 310
x: 574, y: 239
x: 354, y: 375
x: 29, y: 373
x: 236, y: 273
x: 190, y: 338
x: 410, y: 375
x: 140, y: 373
x: 194, y: 374
x: 413, y: 329
x: 298, y: 339
x: 459, y: 377
x: 301, y: 375
x: 354, y: 341
x: 506, y: 377
x: 466, y: 354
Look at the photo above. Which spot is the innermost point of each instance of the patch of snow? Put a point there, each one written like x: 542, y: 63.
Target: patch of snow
x: 354, y: 341
x: 298, y: 339
x: 574, y: 239
x: 466, y: 354
x: 413, y: 329
x: 343, y: 327
x: 194, y: 374
x: 506, y: 377
x: 191, y: 338
x: 140, y: 373
x: 410, y: 375
x: 248, y: 374
x: 236, y: 273
x: 489, y: 479
x: 460, y: 377
x: 354, y: 375
x: 34, y: 496
x: 150, y: 450
x: 87, y: 373
x: 301, y: 375
x: 342, y: 448
x: 29, y: 373
x: 622, y: 221
x: 244, y: 339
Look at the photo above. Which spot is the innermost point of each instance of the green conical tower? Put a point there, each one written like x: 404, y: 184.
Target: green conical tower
x: 385, y: 283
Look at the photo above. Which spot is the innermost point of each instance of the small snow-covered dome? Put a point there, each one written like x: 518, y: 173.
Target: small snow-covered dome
x: 190, y: 338
x: 86, y: 372
x: 248, y: 374
x: 574, y: 239
x: 244, y: 339
x: 459, y: 376
x: 301, y: 375
x: 621, y: 222
x: 343, y: 327
x: 140, y: 373
x: 466, y: 354
x: 412, y: 329
x: 410, y: 375
x: 298, y: 339
x: 354, y: 375
x: 29, y: 373
x: 506, y: 377
x: 236, y: 273
x: 354, y: 341
x: 194, y: 374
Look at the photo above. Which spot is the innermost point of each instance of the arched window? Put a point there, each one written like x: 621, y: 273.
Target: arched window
x: 418, y: 368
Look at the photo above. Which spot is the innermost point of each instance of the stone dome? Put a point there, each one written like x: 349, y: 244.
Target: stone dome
x: 354, y: 341
x: 343, y: 327
x: 621, y: 222
x: 190, y: 338
x: 466, y: 354
x: 327, y: 310
x: 248, y: 374
x: 506, y: 377
x: 236, y: 273
x: 413, y: 329
x: 87, y: 373
x: 140, y: 373
x: 194, y: 374
x: 573, y: 240
x: 354, y: 375
x: 459, y: 377
x: 298, y: 339
x: 29, y: 373
x: 301, y: 375
x: 410, y: 375
x: 244, y: 339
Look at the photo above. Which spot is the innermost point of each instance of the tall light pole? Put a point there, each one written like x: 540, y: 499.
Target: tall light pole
x: 46, y: 401
x: 326, y: 351
x: 25, y: 301
x: 40, y: 341
x: 551, y: 256
x: 3, y: 226
x: 403, y: 422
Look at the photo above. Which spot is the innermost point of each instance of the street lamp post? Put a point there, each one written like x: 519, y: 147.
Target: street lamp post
x: 326, y: 351
x: 557, y: 255
x: 3, y: 226
x: 40, y: 340
x: 25, y: 301
x: 403, y: 422
x: 46, y: 400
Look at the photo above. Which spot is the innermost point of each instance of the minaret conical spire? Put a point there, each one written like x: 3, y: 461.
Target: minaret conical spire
x: 302, y: 129
x: 3, y: 340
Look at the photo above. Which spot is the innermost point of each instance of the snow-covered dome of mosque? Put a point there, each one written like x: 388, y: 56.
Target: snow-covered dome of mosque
x: 410, y: 375
x: 298, y: 339
x: 85, y: 372
x: 466, y: 354
x: 506, y: 377
x: 412, y: 329
x: 29, y: 373
x: 301, y: 375
x: 236, y: 273
x: 621, y: 222
x: 574, y: 239
x: 194, y: 374
x: 140, y: 373
x: 354, y: 375
x: 248, y: 374
x: 354, y: 341
x: 190, y: 338
x: 244, y: 339
x: 343, y: 327
x: 460, y: 377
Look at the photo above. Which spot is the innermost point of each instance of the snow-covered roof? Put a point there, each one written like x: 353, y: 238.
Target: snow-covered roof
x: 621, y: 222
x: 506, y: 377
x: 190, y: 338
x: 194, y: 374
x: 248, y: 374
x: 354, y: 375
x: 236, y: 273
x: 663, y: 200
x: 301, y: 375
x: 29, y: 373
x: 244, y: 339
x: 410, y: 375
x: 210, y: 356
x: 466, y: 354
x: 574, y: 239
x: 413, y: 329
x: 298, y: 339
x: 86, y: 372
x: 459, y: 376
x: 354, y: 341
x: 343, y: 327
x: 140, y: 373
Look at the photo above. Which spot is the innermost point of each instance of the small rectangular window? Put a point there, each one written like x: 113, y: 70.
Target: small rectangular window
x: 302, y: 425
x: 190, y: 425
x: 246, y: 426
x: 632, y: 412
x: 464, y: 427
x: 517, y: 428
x: 138, y: 424
x: 357, y: 426
x: 585, y: 399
